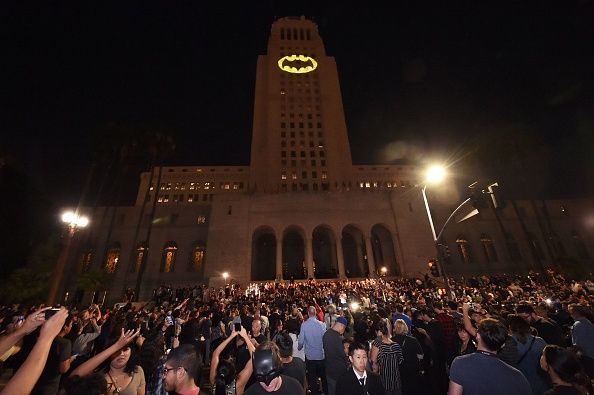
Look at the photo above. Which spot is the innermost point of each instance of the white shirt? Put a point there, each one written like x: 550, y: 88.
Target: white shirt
x: 364, y: 376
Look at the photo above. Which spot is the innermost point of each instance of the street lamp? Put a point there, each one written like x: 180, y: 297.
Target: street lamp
x: 73, y: 221
x: 434, y: 175
x: 383, y: 271
x: 225, y: 276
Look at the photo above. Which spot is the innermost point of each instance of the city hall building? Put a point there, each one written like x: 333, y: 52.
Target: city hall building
x: 302, y: 209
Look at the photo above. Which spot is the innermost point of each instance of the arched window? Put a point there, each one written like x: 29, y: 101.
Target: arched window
x: 557, y: 245
x: 464, y: 249
x: 580, y: 246
x: 514, y: 249
x: 489, y: 248
x: 168, y: 257
x: 141, y: 250
x: 86, y: 260
x: 535, y: 244
x: 112, y: 258
x: 197, y: 257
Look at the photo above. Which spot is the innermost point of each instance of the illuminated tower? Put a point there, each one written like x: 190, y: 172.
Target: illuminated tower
x: 299, y: 140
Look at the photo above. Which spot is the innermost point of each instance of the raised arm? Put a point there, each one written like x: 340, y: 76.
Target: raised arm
x: 24, y: 380
x: 243, y: 333
x: 92, y: 364
x: 243, y: 377
x: 214, y: 360
x: 31, y: 323
x: 467, y: 323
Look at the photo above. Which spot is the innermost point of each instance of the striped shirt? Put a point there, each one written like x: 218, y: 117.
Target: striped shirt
x: 389, y: 358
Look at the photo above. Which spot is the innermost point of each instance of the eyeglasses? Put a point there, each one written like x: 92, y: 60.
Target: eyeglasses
x: 166, y: 370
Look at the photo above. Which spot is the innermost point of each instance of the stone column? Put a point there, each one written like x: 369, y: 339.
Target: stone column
x: 370, y: 260
x: 279, y: 260
x: 309, y: 258
x: 340, y: 259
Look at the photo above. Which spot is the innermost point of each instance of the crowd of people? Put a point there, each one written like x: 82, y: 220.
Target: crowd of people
x: 499, y: 334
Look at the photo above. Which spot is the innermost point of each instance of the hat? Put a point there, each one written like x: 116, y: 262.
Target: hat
x: 342, y: 320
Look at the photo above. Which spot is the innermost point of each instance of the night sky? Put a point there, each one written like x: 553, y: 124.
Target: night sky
x: 470, y: 83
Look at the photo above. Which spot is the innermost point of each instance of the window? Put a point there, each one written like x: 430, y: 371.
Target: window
x: 536, y: 247
x: 197, y: 258
x: 558, y: 245
x: 140, y: 251
x: 324, y: 175
x: 489, y: 248
x: 168, y: 257
x: 464, y: 250
x: 112, y: 258
x: 580, y: 246
x: 201, y: 218
x: 86, y: 259
x: 514, y: 249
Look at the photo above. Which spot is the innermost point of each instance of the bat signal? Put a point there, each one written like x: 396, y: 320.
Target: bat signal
x: 298, y: 64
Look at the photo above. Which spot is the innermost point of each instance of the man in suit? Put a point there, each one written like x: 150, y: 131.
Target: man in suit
x: 358, y: 380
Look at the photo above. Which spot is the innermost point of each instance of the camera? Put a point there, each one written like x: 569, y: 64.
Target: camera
x: 51, y: 312
x: 237, y: 326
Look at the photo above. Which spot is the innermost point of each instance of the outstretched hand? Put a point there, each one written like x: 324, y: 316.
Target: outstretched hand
x: 34, y: 320
x: 126, y: 337
x: 54, y: 324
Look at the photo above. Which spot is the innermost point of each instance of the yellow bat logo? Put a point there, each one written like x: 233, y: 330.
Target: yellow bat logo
x: 297, y: 64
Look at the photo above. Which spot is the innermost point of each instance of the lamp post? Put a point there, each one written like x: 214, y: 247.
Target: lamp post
x: 383, y: 271
x: 73, y: 222
x: 225, y: 276
x: 434, y: 175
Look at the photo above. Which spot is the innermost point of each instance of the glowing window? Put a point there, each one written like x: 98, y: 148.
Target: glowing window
x: 168, y: 257
x: 197, y: 258
x: 112, y: 258
x: 464, y: 250
x: 140, y: 251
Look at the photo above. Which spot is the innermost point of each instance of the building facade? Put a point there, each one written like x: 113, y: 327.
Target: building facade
x: 302, y: 209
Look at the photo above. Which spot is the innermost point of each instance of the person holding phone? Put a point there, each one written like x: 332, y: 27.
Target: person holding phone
x: 246, y: 371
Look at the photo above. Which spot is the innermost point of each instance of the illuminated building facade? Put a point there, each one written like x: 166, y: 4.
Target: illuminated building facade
x: 302, y: 209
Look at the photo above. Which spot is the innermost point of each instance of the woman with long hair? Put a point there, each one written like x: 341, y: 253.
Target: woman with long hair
x: 466, y: 342
x: 565, y: 372
x: 123, y: 375
x: 223, y: 375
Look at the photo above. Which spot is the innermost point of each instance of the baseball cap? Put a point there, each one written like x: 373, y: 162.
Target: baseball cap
x: 342, y: 320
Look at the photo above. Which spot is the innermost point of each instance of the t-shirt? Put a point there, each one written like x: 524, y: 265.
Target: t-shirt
x: 289, y: 386
x: 136, y: 382
x: 295, y: 369
x: 481, y: 374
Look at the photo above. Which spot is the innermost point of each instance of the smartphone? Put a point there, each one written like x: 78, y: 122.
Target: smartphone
x: 169, y: 319
x: 50, y: 312
x: 237, y: 326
